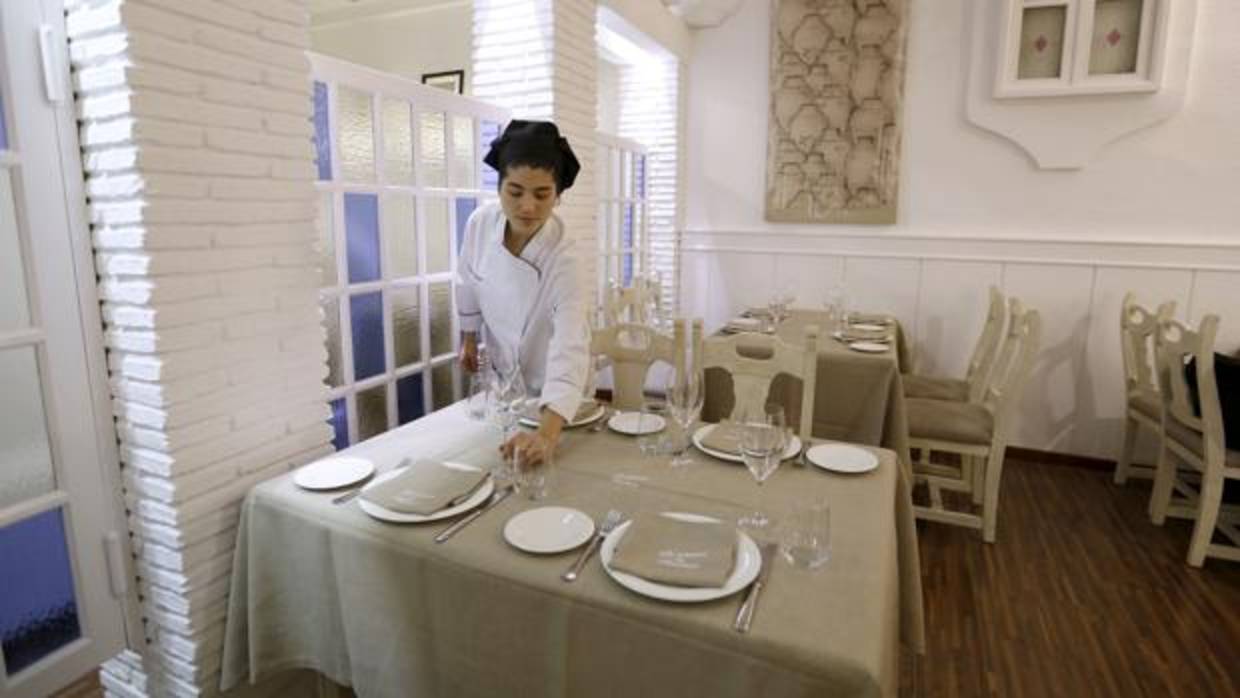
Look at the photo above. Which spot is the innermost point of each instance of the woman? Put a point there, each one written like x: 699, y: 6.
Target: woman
x: 518, y: 282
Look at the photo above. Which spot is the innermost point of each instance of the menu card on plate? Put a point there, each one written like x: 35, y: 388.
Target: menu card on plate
x: 661, y: 549
x: 425, y: 487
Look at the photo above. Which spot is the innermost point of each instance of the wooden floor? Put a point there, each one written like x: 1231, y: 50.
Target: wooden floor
x: 1080, y: 596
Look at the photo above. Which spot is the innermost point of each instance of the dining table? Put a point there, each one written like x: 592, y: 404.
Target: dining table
x: 858, y: 395
x: 384, y: 609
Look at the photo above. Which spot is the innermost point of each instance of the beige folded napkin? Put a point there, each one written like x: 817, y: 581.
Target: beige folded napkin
x: 669, y: 551
x: 585, y: 409
x: 425, y: 487
x: 871, y: 318
x: 725, y: 438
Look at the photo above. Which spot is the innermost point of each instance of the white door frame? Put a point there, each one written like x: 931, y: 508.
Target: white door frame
x: 49, y: 199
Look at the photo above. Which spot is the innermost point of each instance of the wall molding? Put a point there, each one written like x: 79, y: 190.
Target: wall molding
x: 825, y: 233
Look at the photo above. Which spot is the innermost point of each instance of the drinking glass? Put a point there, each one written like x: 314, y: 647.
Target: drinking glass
x: 806, y: 539
x: 478, y: 396
x: 532, y: 481
x: 836, y: 302
x: 653, y: 405
x: 509, y: 398
x: 684, y: 404
x: 761, y: 448
x: 776, y: 417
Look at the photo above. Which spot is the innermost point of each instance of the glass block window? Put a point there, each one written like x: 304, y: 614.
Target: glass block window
x: 623, y: 239
x: 400, y: 171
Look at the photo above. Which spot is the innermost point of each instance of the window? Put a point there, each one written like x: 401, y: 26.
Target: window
x: 400, y: 170
x: 1072, y: 47
x: 623, y: 238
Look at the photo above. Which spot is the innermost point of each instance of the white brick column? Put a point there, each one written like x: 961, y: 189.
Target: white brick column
x: 650, y: 113
x: 200, y: 167
x: 539, y: 59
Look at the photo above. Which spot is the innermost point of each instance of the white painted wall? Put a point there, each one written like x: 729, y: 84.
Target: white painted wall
x: 430, y: 40
x: 1156, y: 213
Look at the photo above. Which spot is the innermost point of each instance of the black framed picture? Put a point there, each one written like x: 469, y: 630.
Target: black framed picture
x: 451, y: 80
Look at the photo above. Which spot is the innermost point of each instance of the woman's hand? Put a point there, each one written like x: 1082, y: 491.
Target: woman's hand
x: 469, y: 352
x: 536, y: 447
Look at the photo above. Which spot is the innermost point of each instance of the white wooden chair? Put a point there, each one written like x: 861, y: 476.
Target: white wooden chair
x: 977, y: 432
x: 1194, y: 437
x: 632, y: 304
x: 764, y: 357
x: 631, y: 349
x: 1143, y: 406
x: 972, y: 387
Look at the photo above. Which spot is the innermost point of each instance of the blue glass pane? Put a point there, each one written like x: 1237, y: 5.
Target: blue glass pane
x: 340, y: 422
x: 409, y: 405
x: 367, y: 310
x: 626, y: 230
x: 322, y: 134
x: 464, y: 207
x: 627, y: 272
x: 38, y: 609
x: 361, y: 226
x: 641, y: 176
x: 490, y: 131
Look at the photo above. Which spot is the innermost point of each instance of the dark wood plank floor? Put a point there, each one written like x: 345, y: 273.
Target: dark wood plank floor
x: 1080, y: 596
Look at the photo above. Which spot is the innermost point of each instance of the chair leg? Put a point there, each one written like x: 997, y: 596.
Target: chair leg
x: 1207, y: 515
x: 1131, y: 428
x: 990, y: 502
x: 1164, y: 479
x: 979, y: 478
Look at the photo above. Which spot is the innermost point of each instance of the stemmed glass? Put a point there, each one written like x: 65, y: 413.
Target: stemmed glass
x: 762, y: 447
x: 836, y: 303
x: 510, y: 397
x: 685, y: 395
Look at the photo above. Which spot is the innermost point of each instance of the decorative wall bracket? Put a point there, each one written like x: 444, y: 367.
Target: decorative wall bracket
x: 1068, y: 130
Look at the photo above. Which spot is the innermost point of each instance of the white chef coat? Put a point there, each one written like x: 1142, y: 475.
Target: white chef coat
x: 532, y: 303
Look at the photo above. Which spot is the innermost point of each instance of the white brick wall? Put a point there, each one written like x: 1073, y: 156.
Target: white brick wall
x: 196, y: 137
x: 538, y: 58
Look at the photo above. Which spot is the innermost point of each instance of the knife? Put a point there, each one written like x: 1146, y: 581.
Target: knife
x: 744, y: 616
x: 499, y: 496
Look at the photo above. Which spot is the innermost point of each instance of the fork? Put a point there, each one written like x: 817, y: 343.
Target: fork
x: 613, y: 519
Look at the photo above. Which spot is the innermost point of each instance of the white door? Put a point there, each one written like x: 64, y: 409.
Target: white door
x: 63, y: 553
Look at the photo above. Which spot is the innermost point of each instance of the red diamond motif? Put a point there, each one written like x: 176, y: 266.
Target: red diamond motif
x: 1041, y: 44
x: 1114, y: 37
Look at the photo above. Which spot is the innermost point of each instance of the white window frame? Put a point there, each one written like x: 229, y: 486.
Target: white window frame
x: 1074, y: 78
x: 618, y: 189
x: 335, y: 73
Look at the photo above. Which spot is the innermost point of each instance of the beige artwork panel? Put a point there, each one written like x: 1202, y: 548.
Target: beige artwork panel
x: 837, y: 83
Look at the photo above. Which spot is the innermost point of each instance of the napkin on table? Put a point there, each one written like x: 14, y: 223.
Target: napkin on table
x: 725, y: 437
x: 661, y: 549
x: 425, y: 487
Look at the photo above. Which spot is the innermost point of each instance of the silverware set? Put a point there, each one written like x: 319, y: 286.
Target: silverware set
x: 744, y: 615
x: 613, y: 519
x: 499, y: 496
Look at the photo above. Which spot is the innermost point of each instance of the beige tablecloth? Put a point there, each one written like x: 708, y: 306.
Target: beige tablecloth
x: 382, y: 608
x: 859, y: 397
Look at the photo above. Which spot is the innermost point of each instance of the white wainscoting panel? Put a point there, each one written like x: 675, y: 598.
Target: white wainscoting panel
x: 937, y: 287
x: 953, y: 302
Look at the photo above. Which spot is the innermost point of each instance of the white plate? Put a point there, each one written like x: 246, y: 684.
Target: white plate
x: 794, y: 446
x: 868, y: 327
x: 748, y: 564
x: 636, y: 423
x: 600, y: 409
x: 839, y: 458
x: 868, y: 347
x: 333, y: 472
x: 745, y: 323
x: 548, y: 530
x: 383, y: 514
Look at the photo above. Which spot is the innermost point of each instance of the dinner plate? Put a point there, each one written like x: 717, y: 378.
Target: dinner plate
x: 868, y: 347
x: 479, y: 496
x: 591, y: 417
x: 636, y: 423
x: 794, y: 446
x: 748, y: 564
x: 333, y: 473
x: 868, y: 327
x: 840, y: 458
x: 548, y: 530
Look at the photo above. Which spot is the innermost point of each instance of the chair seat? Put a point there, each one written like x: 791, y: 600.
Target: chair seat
x: 935, y: 388
x: 1145, y: 402
x: 1192, y: 440
x: 946, y: 420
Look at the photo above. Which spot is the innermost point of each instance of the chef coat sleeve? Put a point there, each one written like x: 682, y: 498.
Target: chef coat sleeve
x: 568, y: 356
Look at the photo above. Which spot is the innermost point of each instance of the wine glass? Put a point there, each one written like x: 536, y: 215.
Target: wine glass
x: 685, y: 395
x: 762, y: 446
x: 510, y: 398
x: 836, y: 303
x: 654, y: 408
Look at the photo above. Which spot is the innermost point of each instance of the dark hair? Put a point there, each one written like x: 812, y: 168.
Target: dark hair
x: 535, y: 144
